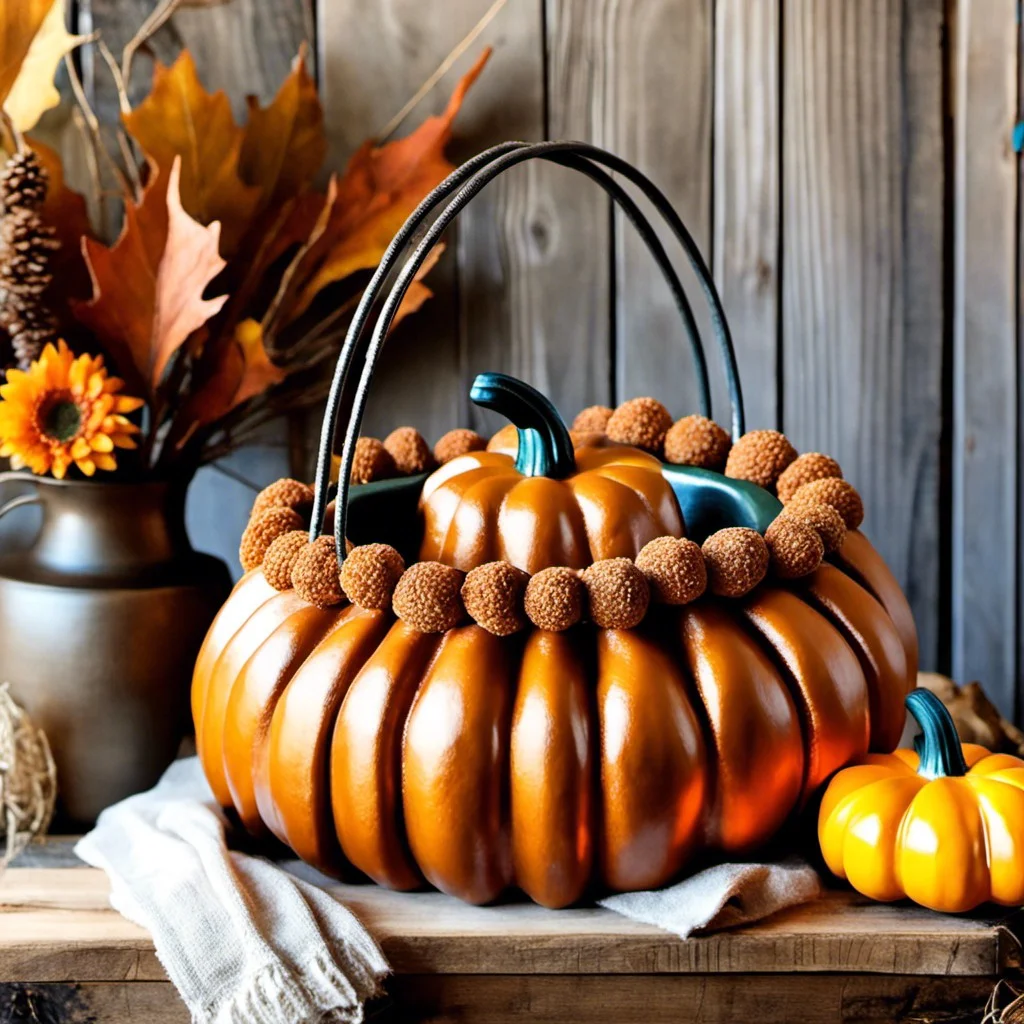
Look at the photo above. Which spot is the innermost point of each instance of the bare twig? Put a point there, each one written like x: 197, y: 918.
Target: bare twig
x: 131, y: 165
x: 90, y: 162
x: 93, y: 124
x: 16, y: 137
x: 461, y: 47
x: 158, y: 17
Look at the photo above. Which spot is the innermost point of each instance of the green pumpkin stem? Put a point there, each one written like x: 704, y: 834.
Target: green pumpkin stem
x: 938, y: 746
x: 545, y: 448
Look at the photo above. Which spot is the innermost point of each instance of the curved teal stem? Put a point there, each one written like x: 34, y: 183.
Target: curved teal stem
x: 938, y: 746
x: 545, y: 448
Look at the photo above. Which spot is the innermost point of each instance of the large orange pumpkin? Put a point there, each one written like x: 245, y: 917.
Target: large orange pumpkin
x: 548, y: 761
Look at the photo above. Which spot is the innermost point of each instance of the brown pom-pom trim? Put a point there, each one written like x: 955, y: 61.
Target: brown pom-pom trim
x: 697, y: 441
x: 371, y: 461
x: 410, y: 451
x: 736, y: 559
x: 285, y: 493
x: 675, y: 570
x: 617, y: 593
x: 458, y: 442
x: 822, y: 518
x: 807, y: 467
x: 281, y: 557
x: 554, y: 599
x: 641, y: 422
x: 370, y: 574
x: 315, y: 574
x: 837, y: 493
x: 428, y: 597
x: 796, y: 549
x: 493, y: 596
x: 760, y: 457
x: 593, y: 420
x: 262, y: 531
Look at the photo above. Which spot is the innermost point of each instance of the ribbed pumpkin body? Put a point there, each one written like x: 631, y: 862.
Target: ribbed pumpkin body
x: 554, y: 762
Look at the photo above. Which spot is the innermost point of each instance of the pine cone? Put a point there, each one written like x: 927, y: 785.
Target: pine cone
x: 23, y: 182
x: 30, y: 327
x: 25, y: 247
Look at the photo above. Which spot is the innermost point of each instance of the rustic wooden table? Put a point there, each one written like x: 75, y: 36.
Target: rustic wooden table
x: 66, y: 956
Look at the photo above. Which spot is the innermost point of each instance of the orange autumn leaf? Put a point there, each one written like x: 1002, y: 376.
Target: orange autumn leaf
x: 180, y: 120
x: 283, y: 144
x: 381, y: 187
x: 148, y: 287
x: 20, y: 20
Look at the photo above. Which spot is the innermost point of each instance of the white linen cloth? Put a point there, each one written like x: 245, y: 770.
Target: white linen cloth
x: 722, y: 896
x: 243, y: 941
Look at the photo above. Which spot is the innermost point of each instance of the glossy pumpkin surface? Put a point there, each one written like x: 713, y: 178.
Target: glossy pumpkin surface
x: 555, y: 762
x: 944, y: 827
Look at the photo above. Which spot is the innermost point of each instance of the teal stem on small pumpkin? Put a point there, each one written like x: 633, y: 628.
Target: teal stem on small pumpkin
x: 545, y: 448
x: 938, y: 746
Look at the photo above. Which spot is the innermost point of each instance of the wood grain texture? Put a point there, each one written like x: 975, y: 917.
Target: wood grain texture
x: 863, y: 265
x: 57, y: 926
x: 533, y: 250
x: 746, y: 194
x: 659, y: 112
x: 985, y: 530
x: 147, y: 1002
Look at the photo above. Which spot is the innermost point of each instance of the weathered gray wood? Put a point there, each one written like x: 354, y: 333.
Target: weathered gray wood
x: 658, y: 99
x: 134, y: 1002
x: 533, y: 249
x: 862, y: 266
x: 746, y: 194
x: 985, y: 356
x: 373, y: 58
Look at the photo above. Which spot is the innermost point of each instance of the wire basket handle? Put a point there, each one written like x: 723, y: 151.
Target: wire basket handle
x: 469, y: 180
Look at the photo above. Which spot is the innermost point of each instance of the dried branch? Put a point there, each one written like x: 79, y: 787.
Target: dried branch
x: 11, y: 130
x: 442, y: 69
x: 158, y: 17
x: 92, y: 166
x: 127, y: 153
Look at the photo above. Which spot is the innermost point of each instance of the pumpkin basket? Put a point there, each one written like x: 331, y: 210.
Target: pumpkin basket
x: 563, y: 694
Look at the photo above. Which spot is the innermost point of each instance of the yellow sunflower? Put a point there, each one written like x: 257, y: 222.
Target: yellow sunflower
x: 64, y: 410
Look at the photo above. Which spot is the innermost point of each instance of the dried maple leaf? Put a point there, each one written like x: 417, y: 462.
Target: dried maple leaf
x: 283, y: 144
x: 180, y: 120
x: 33, y: 92
x: 148, y: 287
x: 20, y: 20
x: 380, y: 188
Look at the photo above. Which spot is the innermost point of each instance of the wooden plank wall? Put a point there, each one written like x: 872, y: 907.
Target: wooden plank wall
x: 848, y: 170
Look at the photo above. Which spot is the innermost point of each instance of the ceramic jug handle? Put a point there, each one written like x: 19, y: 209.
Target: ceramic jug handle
x: 21, y: 500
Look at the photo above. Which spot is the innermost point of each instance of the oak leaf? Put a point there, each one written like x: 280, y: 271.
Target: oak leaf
x: 33, y: 92
x: 148, y: 287
x: 283, y: 144
x: 381, y: 186
x: 180, y: 120
x: 20, y: 20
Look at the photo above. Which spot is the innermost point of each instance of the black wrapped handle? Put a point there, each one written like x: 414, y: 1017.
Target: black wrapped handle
x: 469, y: 180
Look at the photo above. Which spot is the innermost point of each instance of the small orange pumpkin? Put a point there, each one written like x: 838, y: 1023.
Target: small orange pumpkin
x: 549, y: 504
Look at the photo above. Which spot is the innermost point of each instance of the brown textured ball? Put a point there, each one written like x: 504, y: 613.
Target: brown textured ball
x: 554, y: 598
x: 428, y: 597
x: 795, y: 548
x: 760, y: 457
x: 736, y: 559
x: 286, y: 493
x: 493, y: 597
x: 458, y: 442
x: 674, y: 567
x: 641, y: 422
x: 837, y: 493
x: 371, y: 461
x: 409, y: 449
x: 370, y: 574
x: 587, y: 438
x: 262, y: 531
x: 315, y: 574
x: 281, y: 556
x: 617, y: 593
x: 593, y: 419
x: 697, y: 441
x: 823, y: 518
x: 807, y: 467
